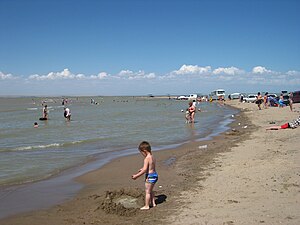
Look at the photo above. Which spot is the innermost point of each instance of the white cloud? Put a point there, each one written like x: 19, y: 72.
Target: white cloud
x: 190, y: 69
x: 125, y: 73
x: 260, y: 70
x: 100, y: 76
x: 128, y: 74
x: 293, y: 73
x: 6, y: 76
x: 229, y: 71
x: 186, y: 78
x: 65, y: 74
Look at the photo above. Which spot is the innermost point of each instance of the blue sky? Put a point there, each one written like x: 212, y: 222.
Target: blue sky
x: 138, y: 47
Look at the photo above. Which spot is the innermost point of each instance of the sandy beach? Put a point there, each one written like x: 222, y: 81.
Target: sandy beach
x: 246, y: 175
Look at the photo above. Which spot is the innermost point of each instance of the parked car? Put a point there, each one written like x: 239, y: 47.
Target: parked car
x: 182, y: 97
x: 235, y: 95
x: 272, y: 95
x: 250, y: 98
x: 296, y: 97
x: 192, y: 97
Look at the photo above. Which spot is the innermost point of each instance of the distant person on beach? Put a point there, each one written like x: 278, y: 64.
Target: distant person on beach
x: 259, y: 100
x: 151, y: 176
x: 67, y: 113
x: 45, y: 112
x: 192, y: 110
x: 281, y: 102
x: 35, y: 125
x: 291, y: 101
x: 266, y: 103
x: 241, y: 98
x: 294, y: 124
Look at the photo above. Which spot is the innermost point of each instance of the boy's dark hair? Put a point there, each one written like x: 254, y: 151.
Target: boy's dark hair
x: 145, y: 146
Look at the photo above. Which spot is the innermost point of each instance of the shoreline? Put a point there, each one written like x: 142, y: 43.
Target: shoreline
x: 240, y: 177
x: 62, y: 185
x: 169, y: 160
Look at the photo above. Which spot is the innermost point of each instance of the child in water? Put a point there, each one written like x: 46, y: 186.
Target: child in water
x: 151, y: 176
x: 187, y: 116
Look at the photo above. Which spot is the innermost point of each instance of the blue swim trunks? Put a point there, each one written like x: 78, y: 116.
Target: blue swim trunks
x: 151, y: 178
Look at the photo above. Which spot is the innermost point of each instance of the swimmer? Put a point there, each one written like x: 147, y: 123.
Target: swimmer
x: 192, y: 110
x: 45, y: 112
x: 35, y: 125
x: 67, y: 113
x: 187, y: 116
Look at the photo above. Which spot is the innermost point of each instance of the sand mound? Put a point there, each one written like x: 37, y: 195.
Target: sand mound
x: 124, y: 202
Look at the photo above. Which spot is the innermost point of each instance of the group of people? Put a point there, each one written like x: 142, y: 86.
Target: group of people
x: 266, y: 100
x: 45, y: 114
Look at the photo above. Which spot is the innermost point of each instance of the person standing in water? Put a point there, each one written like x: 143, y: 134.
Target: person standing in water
x: 67, y: 113
x: 192, y: 110
x: 45, y: 112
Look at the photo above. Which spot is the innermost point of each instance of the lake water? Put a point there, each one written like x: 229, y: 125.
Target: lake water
x: 114, y: 126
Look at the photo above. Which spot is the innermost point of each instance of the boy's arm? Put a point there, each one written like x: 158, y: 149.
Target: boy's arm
x: 142, y: 170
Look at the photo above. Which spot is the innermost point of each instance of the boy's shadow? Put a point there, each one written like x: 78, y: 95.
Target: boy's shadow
x: 160, y: 199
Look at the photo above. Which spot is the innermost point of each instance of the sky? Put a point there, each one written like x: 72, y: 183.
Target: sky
x: 141, y: 47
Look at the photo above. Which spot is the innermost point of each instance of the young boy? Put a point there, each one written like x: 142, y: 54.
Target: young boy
x: 187, y: 116
x: 151, y: 176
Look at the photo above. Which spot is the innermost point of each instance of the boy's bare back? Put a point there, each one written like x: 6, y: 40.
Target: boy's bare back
x: 150, y: 161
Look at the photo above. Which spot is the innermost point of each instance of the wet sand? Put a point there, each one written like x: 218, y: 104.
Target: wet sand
x: 239, y: 177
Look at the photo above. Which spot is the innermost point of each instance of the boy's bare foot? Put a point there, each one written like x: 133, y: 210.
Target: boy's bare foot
x: 145, y: 208
x: 153, y: 205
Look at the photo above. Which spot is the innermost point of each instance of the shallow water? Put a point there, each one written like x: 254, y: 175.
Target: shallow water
x: 114, y: 126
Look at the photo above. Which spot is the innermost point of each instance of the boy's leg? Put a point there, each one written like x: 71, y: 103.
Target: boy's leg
x: 274, y: 128
x: 148, y: 190
x: 153, y: 197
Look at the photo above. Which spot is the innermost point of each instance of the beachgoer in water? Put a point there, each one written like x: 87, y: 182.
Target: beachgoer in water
x: 192, y: 110
x: 45, y: 112
x: 294, y: 124
x: 35, y: 125
x: 187, y: 116
x: 151, y: 176
x: 259, y: 100
x: 67, y: 113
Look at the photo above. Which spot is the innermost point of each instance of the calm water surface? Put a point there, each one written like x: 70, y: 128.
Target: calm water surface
x: 113, y: 126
